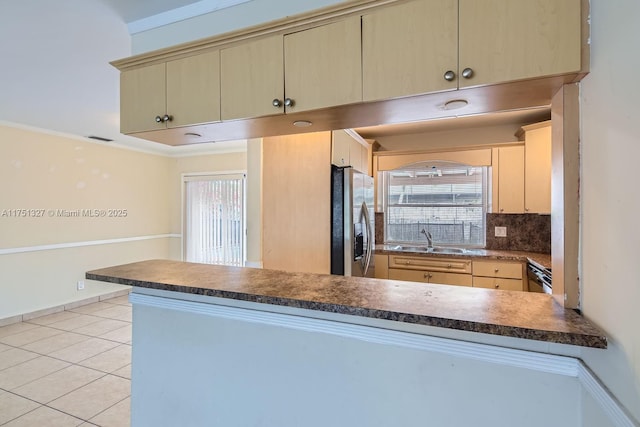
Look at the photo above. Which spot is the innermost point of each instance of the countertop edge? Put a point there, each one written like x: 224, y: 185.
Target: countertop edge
x: 560, y: 337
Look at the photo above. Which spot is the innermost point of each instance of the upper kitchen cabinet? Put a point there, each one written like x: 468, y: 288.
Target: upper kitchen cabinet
x: 252, y: 79
x: 424, y: 46
x: 537, y: 167
x: 507, y: 40
x: 410, y: 48
x: 323, y: 66
x: 176, y: 93
x: 508, y: 179
x: 306, y: 70
x: 349, y: 149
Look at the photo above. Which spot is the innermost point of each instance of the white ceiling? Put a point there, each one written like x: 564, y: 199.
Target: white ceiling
x: 135, y: 10
x: 142, y: 15
x: 55, y: 73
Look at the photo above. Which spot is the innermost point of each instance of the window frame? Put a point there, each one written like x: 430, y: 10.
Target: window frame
x: 211, y: 176
x: 485, y: 205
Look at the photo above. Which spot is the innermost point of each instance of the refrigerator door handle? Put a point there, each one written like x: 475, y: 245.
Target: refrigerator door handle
x: 367, y: 258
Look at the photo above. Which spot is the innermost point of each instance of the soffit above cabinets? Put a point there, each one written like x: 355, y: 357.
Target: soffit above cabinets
x: 516, y: 117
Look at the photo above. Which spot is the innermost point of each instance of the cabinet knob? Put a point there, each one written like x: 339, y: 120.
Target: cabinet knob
x: 449, y: 266
x: 276, y: 103
x: 407, y: 262
x: 288, y: 102
x: 495, y: 270
x: 449, y: 76
x: 164, y: 119
x: 526, y: 209
x: 497, y: 285
x: 467, y: 73
x: 426, y: 275
x: 501, y: 209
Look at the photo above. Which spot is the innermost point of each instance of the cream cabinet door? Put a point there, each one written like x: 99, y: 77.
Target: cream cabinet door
x: 505, y: 40
x: 407, y: 48
x: 252, y: 77
x: 510, y: 179
x: 340, y: 148
x: 193, y: 89
x: 537, y: 170
x: 323, y: 66
x: 142, y: 98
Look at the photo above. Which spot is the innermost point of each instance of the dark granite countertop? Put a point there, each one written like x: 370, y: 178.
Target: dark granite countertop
x: 526, y: 315
x: 543, y: 260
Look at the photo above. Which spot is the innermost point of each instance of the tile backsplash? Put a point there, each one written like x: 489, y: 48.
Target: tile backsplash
x: 379, y: 232
x: 525, y: 232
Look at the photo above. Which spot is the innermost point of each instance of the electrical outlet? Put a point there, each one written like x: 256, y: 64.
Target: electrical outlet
x: 80, y: 285
x: 501, y: 232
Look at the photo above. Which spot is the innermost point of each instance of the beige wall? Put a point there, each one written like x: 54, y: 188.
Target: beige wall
x: 610, y: 201
x: 49, y: 174
x: 216, y: 163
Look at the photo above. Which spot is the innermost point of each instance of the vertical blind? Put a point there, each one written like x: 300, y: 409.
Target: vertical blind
x: 214, y: 231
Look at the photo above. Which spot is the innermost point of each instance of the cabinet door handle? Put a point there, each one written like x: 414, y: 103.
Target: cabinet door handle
x: 288, y: 102
x: 449, y: 266
x: 449, y: 76
x: 497, y: 285
x: 164, y: 119
x: 467, y: 73
x: 495, y: 270
x: 276, y: 103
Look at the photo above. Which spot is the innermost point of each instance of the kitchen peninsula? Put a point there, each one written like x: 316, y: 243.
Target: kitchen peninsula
x: 240, y: 346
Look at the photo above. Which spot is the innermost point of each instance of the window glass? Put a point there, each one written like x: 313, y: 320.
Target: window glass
x: 214, y: 231
x: 447, y: 200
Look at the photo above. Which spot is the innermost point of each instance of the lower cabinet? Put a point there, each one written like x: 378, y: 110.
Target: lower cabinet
x: 444, y: 271
x: 431, y: 277
x: 498, y: 283
x: 499, y: 275
x: 489, y: 274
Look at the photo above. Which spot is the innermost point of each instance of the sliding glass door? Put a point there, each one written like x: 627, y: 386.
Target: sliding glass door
x: 214, y: 219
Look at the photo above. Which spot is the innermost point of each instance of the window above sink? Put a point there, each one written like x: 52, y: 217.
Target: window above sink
x: 448, y: 200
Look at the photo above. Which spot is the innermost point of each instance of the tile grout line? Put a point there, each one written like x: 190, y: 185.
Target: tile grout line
x: 106, y: 409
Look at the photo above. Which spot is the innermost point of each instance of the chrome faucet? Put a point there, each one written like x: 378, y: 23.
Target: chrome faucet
x: 429, y: 237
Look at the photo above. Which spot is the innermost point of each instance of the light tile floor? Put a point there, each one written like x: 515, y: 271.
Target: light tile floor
x: 71, y: 368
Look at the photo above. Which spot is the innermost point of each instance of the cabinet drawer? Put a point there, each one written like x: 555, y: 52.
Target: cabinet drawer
x: 497, y: 283
x: 510, y: 270
x: 409, y: 275
x: 432, y: 264
x: 431, y: 277
x: 451, y: 279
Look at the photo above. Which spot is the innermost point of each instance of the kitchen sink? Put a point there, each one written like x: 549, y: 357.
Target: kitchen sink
x: 435, y: 250
x: 447, y: 250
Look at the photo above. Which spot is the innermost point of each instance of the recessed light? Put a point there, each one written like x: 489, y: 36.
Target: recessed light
x: 302, y: 123
x: 455, y: 104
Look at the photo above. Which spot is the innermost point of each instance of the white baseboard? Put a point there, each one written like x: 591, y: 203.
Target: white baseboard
x: 58, y: 308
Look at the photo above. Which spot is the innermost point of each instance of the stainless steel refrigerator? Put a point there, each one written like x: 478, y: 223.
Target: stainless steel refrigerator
x: 352, y: 218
